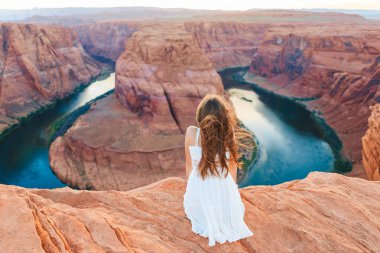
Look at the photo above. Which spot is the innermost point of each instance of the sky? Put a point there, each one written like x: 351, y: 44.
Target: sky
x: 197, y: 4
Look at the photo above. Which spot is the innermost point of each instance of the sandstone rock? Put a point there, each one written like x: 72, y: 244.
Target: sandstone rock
x: 164, y: 73
x: 228, y: 44
x: 38, y: 64
x: 322, y: 213
x: 371, y: 145
x: 110, y: 148
x: 106, y: 39
x: 137, y: 138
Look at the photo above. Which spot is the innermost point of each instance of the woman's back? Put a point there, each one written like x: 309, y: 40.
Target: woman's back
x: 213, y: 203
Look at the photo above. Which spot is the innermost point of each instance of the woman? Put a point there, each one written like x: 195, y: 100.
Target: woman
x: 212, y: 201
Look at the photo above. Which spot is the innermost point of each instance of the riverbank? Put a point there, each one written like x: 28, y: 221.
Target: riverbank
x: 61, y: 125
x: 320, y: 126
x: 24, y: 151
x: 107, y: 69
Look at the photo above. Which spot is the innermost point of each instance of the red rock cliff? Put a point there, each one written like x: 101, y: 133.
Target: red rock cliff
x: 228, y: 44
x: 371, y: 145
x: 164, y: 71
x: 322, y: 213
x: 38, y: 64
x: 137, y: 138
x: 337, y: 65
x: 106, y: 39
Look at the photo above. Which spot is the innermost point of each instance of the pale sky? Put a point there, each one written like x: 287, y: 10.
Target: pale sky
x: 197, y: 4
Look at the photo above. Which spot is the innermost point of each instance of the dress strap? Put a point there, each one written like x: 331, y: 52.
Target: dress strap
x: 197, y: 136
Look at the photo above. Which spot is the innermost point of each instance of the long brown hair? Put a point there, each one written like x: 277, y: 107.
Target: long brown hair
x: 220, y: 131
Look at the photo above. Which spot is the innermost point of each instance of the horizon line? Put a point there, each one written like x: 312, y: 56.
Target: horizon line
x: 182, y: 8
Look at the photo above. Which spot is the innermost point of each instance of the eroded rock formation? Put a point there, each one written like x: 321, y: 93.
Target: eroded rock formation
x: 322, y: 213
x: 337, y: 66
x: 110, y: 147
x: 106, y: 39
x: 164, y: 71
x: 371, y: 145
x: 167, y: 68
x: 38, y: 64
x: 228, y: 44
x: 137, y: 138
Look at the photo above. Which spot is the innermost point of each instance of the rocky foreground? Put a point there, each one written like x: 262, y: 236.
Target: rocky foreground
x: 322, y: 213
x: 38, y: 65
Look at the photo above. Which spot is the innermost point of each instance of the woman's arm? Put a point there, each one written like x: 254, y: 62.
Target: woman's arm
x: 187, y: 152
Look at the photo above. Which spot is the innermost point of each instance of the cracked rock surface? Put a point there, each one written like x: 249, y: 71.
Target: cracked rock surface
x: 322, y: 213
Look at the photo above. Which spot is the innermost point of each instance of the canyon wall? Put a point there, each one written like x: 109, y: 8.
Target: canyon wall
x: 371, y: 145
x: 38, y: 64
x: 135, y: 137
x: 336, y: 67
x: 106, y: 39
x: 322, y: 213
x: 228, y: 44
x: 163, y: 70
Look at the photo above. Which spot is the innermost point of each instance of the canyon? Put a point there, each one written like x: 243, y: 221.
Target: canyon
x: 39, y: 64
x: 324, y: 212
x: 129, y: 145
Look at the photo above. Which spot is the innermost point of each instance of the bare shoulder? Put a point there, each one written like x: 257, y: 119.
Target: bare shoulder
x: 190, y: 133
x: 191, y: 129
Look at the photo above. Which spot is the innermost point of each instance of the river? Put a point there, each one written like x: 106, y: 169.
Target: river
x: 24, y: 152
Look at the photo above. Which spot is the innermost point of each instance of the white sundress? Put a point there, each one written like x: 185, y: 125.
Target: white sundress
x: 213, y: 205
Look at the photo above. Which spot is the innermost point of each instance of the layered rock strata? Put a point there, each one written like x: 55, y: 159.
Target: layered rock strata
x: 38, y: 65
x: 322, y: 213
x: 228, y: 44
x: 106, y: 40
